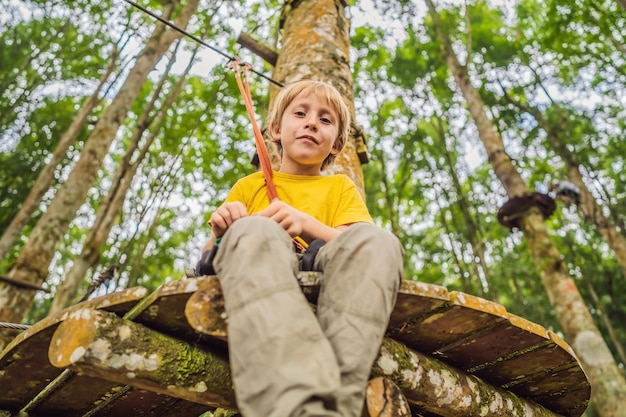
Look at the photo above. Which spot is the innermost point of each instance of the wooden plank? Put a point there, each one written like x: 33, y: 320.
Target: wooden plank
x: 538, y: 359
x: 571, y: 402
x: 24, y: 366
x: 563, y: 388
x: 455, y: 320
x: 489, y: 346
x: 416, y: 299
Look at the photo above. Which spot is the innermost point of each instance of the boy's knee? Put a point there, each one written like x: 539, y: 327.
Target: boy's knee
x: 382, y: 248
x: 253, y: 225
x: 376, y: 239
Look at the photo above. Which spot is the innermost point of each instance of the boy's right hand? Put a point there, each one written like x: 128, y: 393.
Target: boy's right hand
x: 225, y: 215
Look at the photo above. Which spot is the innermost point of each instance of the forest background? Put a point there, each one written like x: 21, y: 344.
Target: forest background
x: 551, y: 75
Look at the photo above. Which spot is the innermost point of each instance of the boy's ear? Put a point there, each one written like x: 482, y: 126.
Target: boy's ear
x: 335, y: 149
x: 275, y: 132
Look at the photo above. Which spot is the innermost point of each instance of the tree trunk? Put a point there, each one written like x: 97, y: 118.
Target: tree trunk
x: 46, y: 176
x: 588, y: 205
x: 457, y: 258
x: 33, y: 262
x: 602, y: 313
x: 315, y: 45
x: 606, y: 378
x: 111, y: 205
x: 471, y: 231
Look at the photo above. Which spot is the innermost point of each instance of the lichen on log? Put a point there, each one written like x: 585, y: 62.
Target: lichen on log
x: 100, y: 344
x: 438, y: 388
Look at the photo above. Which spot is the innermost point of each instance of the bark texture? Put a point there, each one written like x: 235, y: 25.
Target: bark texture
x: 34, y: 260
x: 385, y: 399
x: 607, y: 380
x: 443, y: 390
x: 315, y: 45
x: 103, y: 345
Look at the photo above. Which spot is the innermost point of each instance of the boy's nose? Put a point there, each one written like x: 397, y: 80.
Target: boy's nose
x: 311, y: 123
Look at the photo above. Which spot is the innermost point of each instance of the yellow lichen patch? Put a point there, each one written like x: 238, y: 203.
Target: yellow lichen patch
x: 477, y: 303
x: 561, y: 343
x: 527, y: 325
x: 424, y: 289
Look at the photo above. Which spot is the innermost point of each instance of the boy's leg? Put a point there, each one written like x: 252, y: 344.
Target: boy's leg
x: 362, y: 270
x: 281, y: 363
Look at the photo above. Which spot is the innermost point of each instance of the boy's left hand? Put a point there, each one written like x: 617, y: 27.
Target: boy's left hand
x: 290, y: 219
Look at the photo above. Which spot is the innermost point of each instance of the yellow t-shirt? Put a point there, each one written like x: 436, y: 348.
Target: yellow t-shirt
x: 333, y: 200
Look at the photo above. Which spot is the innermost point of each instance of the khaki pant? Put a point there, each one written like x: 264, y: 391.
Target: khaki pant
x: 285, y: 360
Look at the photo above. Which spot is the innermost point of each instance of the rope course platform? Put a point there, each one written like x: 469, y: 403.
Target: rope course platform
x: 165, y: 354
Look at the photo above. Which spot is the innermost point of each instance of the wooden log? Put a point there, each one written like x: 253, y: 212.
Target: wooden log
x: 383, y: 398
x: 205, y: 310
x: 21, y: 384
x: 102, y: 345
x: 438, y: 388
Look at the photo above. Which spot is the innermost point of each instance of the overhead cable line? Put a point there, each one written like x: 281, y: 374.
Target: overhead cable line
x: 197, y: 39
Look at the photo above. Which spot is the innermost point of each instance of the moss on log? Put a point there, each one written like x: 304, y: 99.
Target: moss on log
x: 100, y: 344
x: 438, y: 388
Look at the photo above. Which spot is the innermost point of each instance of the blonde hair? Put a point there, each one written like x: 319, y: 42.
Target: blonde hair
x: 322, y: 90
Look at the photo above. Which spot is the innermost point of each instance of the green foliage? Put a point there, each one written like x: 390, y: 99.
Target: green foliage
x: 491, y: 38
x: 41, y: 53
x: 21, y: 166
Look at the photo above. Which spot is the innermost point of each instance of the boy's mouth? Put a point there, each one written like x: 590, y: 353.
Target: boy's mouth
x: 310, y: 138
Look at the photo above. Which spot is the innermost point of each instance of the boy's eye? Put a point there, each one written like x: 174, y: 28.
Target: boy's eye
x: 299, y: 113
x: 326, y: 120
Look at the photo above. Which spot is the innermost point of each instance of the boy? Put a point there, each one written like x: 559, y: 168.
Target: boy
x: 286, y: 360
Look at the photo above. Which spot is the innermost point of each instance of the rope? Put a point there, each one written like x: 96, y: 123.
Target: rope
x: 15, y: 326
x: 195, y: 38
x: 264, y: 158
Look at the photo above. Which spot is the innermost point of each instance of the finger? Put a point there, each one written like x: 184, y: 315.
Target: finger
x: 236, y: 210
x: 217, y: 224
x: 269, y: 211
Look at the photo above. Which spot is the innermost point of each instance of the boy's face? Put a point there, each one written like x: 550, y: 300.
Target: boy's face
x: 308, y: 132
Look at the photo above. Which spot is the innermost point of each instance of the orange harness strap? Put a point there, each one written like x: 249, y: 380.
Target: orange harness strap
x: 264, y: 157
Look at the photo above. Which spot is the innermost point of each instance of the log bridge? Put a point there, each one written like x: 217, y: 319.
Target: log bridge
x: 134, y: 353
